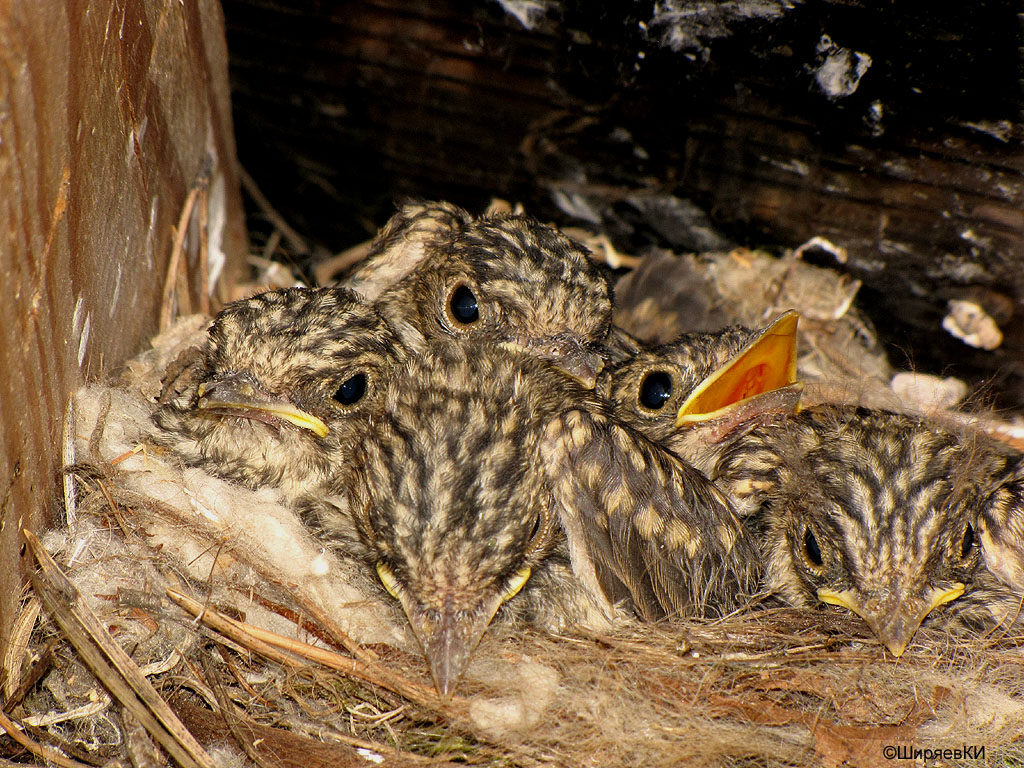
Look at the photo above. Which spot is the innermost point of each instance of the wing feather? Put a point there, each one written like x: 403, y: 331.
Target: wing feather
x: 643, y: 526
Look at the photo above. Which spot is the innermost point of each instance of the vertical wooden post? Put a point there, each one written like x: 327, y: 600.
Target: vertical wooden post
x: 109, y: 113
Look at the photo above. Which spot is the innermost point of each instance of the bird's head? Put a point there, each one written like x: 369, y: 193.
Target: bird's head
x: 873, y: 512
x: 283, y: 374
x: 455, y: 513
x: 510, y: 281
x: 702, y: 386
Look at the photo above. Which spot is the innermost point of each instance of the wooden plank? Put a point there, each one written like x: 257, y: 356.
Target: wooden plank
x: 108, y: 112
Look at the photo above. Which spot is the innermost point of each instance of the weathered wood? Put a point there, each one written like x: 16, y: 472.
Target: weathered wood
x: 109, y: 111
x: 615, y: 110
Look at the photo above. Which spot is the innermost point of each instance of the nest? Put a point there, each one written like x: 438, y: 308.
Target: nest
x: 175, y: 613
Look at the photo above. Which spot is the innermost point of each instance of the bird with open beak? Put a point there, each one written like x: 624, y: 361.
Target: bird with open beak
x: 437, y: 273
x: 886, y: 515
x: 697, y: 393
x: 472, y: 478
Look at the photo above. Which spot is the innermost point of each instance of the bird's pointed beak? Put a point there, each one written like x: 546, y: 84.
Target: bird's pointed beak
x: 762, y: 377
x: 448, y: 638
x: 567, y: 355
x: 893, y: 618
x: 238, y: 394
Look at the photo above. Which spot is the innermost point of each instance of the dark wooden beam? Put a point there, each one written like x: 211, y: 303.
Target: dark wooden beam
x: 894, y: 129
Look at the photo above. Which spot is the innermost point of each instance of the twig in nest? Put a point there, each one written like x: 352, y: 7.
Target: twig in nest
x: 295, y: 241
x: 233, y: 718
x: 271, y: 645
x: 108, y: 661
x: 335, y: 632
x: 34, y: 675
x: 68, y: 458
x: 24, y: 623
x: 37, y: 749
x: 242, y: 682
x: 204, y: 248
x: 326, y: 272
x: 174, y: 264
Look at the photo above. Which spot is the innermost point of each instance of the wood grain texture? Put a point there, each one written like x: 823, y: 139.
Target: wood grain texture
x: 108, y: 113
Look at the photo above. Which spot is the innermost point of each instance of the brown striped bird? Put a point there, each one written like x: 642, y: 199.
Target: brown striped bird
x: 438, y: 273
x: 495, y: 484
x: 270, y: 398
x: 891, y: 516
x: 695, y: 394
x: 472, y: 478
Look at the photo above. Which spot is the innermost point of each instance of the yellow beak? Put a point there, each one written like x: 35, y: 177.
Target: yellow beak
x: 233, y: 393
x: 893, y: 618
x: 766, y: 364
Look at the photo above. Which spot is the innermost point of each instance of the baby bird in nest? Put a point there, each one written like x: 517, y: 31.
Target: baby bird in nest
x: 1001, y: 530
x: 886, y: 515
x: 493, y: 481
x: 270, y: 398
x: 695, y: 394
x: 462, y: 477
x: 438, y: 273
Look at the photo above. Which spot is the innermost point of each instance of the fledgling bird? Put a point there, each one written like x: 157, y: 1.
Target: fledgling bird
x: 492, y: 479
x: 436, y: 272
x: 456, y: 474
x: 887, y: 515
x: 270, y: 399
x: 859, y: 508
x: 696, y: 393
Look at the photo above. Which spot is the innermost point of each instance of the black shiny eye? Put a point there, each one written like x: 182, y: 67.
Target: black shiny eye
x: 968, y: 542
x: 811, y: 548
x: 463, y: 306
x: 655, y: 390
x: 352, y: 390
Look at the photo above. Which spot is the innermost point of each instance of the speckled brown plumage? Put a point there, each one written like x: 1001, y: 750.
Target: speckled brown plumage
x: 438, y: 273
x: 884, y: 499
x: 489, y: 462
x: 885, y: 514
x: 462, y: 473
x: 1001, y: 529
x: 290, y: 349
x: 678, y: 366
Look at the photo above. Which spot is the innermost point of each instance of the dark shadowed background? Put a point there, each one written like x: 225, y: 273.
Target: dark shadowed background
x: 893, y: 129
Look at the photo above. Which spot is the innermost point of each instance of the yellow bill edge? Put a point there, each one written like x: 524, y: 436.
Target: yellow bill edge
x: 767, y: 363
x: 283, y: 411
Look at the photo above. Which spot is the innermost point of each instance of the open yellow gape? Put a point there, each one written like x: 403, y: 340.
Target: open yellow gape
x: 766, y: 364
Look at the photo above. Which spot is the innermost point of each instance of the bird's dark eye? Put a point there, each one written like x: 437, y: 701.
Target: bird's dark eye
x: 655, y: 390
x: 968, y: 542
x: 811, y: 548
x: 352, y: 390
x: 463, y: 306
